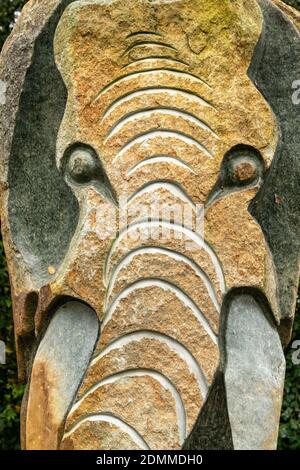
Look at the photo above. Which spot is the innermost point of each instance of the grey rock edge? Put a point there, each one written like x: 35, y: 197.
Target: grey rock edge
x: 274, y: 69
x: 62, y: 357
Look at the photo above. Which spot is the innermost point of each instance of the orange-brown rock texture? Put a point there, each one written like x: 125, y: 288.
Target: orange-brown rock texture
x: 155, y: 281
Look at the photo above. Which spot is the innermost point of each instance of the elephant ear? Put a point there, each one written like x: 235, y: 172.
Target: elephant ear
x: 39, y: 213
x: 41, y: 210
x: 249, y: 340
x: 275, y: 71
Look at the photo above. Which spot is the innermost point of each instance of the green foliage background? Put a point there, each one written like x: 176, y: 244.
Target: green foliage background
x: 11, y: 391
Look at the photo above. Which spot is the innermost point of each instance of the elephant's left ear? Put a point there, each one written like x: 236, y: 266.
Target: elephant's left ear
x: 39, y: 213
x: 275, y: 70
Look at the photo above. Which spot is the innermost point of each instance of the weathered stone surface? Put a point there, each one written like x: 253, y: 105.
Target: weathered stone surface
x: 154, y: 106
x: 34, y: 210
x: 212, y: 430
x: 255, y: 369
x: 60, y: 363
x: 277, y: 206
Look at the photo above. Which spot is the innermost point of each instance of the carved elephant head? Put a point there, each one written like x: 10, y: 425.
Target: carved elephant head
x: 150, y: 212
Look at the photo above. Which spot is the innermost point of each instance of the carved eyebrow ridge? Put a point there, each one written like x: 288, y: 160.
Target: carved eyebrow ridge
x: 166, y: 133
x: 148, y: 43
x: 160, y: 159
x: 166, y: 58
x: 152, y: 90
x: 143, y: 33
x: 132, y: 75
x: 189, y: 117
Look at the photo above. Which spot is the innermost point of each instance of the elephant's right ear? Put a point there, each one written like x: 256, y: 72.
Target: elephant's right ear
x: 39, y: 213
x: 275, y: 71
x: 249, y: 339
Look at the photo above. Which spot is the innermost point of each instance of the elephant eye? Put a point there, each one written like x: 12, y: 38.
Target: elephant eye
x: 81, y: 164
x: 242, y: 165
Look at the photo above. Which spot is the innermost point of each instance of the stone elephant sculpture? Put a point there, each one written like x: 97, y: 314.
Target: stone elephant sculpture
x: 139, y: 328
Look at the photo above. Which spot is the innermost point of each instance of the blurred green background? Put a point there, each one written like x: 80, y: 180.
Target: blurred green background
x: 11, y: 391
